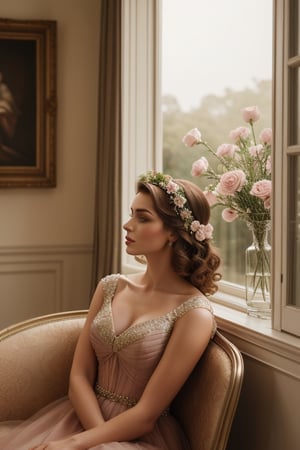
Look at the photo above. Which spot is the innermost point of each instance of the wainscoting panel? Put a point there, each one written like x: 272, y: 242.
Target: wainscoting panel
x: 40, y: 280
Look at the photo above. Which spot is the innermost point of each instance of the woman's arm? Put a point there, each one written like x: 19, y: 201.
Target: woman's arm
x: 84, y: 371
x: 188, y: 341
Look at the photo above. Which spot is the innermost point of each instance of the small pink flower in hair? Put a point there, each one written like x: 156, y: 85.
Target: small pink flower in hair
x: 200, y: 235
x: 208, y: 230
x: 172, y: 187
x: 179, y: 201
x: 201, y: 231
x: 195, y: 225
x: 186, y: 214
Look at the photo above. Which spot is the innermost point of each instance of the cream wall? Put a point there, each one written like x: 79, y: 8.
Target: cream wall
x: 46, y: 234
x: 267, y: 416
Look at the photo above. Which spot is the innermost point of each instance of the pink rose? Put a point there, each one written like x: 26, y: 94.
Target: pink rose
x: 210, y: 197
x: 250, y: 114
x: 256, y: 150
x: 199, y: 167
x: 231, y: 182
x: 192, y: 138
x: 226, y: 150
x: 239, y: 133
x: 262, y: 189
x: 201, y: 231
x: 266, y: 136
x: 229, y: 215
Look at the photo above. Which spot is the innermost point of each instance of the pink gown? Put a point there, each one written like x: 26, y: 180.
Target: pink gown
x: 126, y: 362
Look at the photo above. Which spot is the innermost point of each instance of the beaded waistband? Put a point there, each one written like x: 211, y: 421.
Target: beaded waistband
x: 119, y: 398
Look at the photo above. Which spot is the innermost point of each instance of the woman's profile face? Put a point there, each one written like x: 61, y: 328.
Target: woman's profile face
x: 145, y: 231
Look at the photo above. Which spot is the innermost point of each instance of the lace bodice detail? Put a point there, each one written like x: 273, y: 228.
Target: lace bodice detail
x: 103, y: 321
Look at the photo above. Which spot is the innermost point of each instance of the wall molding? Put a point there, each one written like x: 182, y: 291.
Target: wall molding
x: 45, y: 249
x: 38, y: 280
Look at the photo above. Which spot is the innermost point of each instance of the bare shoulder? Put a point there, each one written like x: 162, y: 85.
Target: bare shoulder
x: 201, y: 312
x: 197, y: 319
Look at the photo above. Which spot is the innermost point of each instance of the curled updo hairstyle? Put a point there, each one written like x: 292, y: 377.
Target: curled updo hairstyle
x: 195, y: 261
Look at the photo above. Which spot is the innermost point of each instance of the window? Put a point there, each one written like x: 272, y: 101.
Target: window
x: 211, y: 69
x: 287, y: 110
x: 142, y: 137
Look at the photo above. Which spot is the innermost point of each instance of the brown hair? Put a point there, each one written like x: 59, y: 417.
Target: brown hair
x: 195, y: 261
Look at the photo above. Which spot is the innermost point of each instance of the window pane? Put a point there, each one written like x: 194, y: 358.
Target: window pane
x: 294, y: 31
x: 293, y: 256
x: 211, y: 70
x: 294, y: 104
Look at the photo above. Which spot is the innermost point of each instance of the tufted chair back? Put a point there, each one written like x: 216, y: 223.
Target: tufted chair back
x: 36, y: 357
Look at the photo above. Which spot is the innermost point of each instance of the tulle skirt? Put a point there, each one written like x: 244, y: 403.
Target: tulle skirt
x: 59, y: 420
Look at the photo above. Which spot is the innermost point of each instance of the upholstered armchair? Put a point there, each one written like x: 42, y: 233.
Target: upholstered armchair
x: 35, y: 360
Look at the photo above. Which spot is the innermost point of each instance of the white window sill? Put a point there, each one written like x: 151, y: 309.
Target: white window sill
x: 256, y: 339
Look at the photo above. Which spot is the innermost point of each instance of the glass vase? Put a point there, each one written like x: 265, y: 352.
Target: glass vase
x: 257, y: 271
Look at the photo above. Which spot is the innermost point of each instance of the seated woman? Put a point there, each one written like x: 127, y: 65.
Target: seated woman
x: 143, y: 335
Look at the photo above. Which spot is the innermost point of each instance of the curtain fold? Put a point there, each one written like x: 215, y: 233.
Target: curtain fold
x: 107, y: 225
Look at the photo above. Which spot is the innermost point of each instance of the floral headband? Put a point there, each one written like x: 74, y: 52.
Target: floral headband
x: 178, y: 200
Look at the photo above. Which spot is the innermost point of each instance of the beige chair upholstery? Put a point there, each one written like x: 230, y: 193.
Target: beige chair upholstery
x: 206, y: 404
x: 36, y: 356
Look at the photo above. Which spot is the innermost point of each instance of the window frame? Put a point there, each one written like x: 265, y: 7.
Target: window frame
x: 287, y: 316
x: 142, y: 125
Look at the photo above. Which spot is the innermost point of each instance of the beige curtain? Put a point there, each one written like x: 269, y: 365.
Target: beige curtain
x: 107, y: 227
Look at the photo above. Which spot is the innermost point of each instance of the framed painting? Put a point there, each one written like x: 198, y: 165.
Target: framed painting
x: 27, y: 103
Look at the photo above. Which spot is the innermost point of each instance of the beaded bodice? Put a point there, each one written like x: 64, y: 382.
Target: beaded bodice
x: 127, y: 360
x: 104, y: 323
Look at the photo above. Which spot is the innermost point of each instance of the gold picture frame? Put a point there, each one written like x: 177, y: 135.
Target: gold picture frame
x: 27, y: 103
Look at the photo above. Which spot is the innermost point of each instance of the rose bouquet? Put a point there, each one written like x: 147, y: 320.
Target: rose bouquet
x: 240, y: 183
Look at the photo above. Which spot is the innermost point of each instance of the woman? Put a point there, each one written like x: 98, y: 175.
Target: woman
x: 143, y: 335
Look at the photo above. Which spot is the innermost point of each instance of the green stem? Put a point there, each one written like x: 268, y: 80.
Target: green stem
x: 261, y: 273
x: 252, y: 131
x: 211, y: 150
